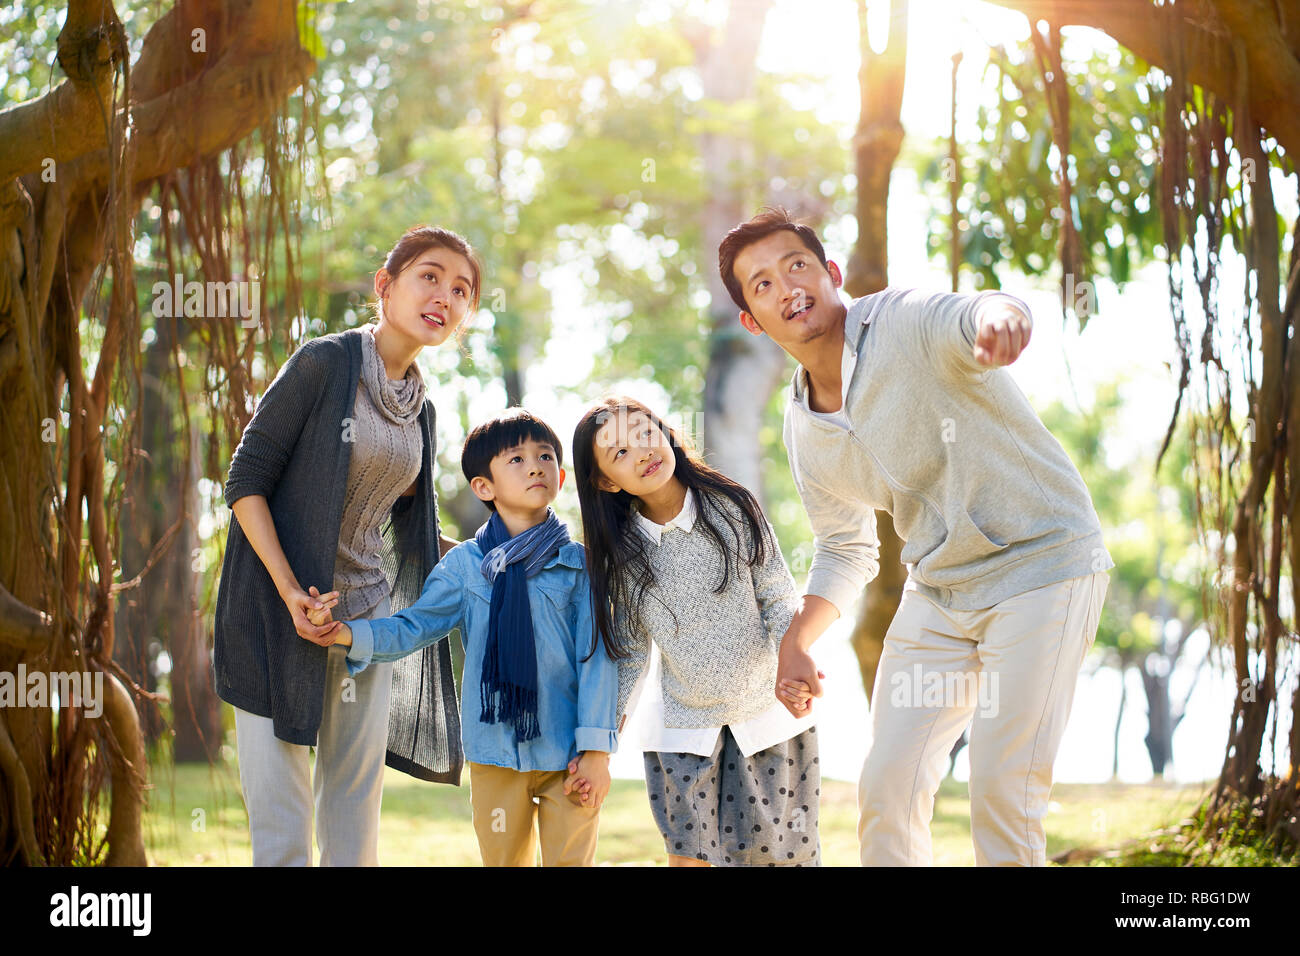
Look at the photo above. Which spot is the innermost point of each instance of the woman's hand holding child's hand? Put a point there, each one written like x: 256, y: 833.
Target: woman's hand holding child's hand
x: 302, y: 604
x: 323, y: 629
x: 320, y: 616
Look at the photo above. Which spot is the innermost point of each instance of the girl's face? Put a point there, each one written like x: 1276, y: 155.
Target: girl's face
x: 430, y: 297
x: 633, y: 455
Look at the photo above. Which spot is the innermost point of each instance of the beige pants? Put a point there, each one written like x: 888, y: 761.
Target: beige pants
x: 507, y: 820
x: 280, y: 791
x: 1009, y: 672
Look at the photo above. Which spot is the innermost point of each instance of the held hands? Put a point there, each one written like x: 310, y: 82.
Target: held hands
x: 320, y: 615
x: 797, y: 680
x: 588, y: 781
x: 1003, y: 334
x: 311, y: 616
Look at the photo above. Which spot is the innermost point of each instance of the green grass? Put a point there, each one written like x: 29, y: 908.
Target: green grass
x: 426, y: 824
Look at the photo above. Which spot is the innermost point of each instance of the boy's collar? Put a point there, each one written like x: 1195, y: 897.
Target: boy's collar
x: 569, y: 555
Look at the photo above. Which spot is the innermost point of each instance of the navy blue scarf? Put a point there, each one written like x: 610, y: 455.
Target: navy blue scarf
x: 508, y: 689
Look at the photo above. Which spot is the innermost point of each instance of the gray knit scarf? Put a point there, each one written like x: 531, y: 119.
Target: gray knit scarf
x: 399, y: 402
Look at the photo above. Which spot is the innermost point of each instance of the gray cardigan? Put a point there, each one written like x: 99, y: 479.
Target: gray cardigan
x: 293, y: 453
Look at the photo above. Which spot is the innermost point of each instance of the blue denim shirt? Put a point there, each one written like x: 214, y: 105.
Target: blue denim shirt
x: 577, y: 701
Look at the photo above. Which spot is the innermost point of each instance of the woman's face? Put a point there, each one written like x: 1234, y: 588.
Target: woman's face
x: 633, y: 454
x: 430, y: 297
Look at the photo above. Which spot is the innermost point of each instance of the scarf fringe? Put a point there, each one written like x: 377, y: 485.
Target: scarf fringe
x: 511, y: 704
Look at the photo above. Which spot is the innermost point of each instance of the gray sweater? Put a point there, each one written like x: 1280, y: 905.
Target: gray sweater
x: 719, y: 651
x: 387, y: 447
x: 985, y: 499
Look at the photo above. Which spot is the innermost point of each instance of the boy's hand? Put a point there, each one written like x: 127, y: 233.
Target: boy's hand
x: 342, y: 635
x: 592, y: 772
x: 321, y: 616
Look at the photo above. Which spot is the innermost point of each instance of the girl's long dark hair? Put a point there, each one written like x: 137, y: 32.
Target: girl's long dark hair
x: 617, y: 561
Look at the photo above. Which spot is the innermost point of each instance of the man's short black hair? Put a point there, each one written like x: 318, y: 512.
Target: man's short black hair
x: 772, y: 219
x: 512, y: 427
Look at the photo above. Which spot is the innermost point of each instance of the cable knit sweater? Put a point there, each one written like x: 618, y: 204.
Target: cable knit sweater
x: 386, y: 447
x: 720, y: 654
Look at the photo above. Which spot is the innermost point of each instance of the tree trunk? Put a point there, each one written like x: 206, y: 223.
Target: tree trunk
x: 1160, y: 731
x: 743, y: 370
x: 876, y: 145
x: 1119, y: 719
x: 60, y: 226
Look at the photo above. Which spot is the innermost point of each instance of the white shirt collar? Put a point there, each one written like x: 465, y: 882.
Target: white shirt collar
x: 685, y: 520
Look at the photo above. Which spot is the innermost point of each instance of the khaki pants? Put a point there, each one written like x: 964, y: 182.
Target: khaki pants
x: 507, y: 820
x: 1009, y: 672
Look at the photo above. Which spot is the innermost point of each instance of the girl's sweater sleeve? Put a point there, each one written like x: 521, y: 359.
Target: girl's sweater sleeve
x: 774, y: 590
x: 281, y: 413
x: 631, y: 667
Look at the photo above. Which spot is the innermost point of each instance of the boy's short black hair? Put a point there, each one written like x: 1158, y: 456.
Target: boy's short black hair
x: 511, y: 428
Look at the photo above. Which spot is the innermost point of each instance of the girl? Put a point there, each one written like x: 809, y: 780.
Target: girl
x: 332, y: 486
x: 688, y: 580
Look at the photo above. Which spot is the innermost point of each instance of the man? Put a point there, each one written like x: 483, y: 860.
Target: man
x: 900, y: 403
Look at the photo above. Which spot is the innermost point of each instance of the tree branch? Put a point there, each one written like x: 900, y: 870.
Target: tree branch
x: 1137, y: 25
x: 20, y: 796
x: 127, y: 763
x: 68, y: 120
x: 205, y: 116
x: 24, y: 627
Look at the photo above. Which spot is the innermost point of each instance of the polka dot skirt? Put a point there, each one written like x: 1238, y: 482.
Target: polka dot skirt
x: 733, y: 810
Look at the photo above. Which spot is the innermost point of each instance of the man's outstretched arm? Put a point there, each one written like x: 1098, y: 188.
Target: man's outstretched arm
x: 964, y: 334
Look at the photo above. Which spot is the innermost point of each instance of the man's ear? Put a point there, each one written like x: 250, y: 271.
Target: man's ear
x: 482, y: 488
x: 834, y: 270
x: 751, y: 325
x: 561, y: 484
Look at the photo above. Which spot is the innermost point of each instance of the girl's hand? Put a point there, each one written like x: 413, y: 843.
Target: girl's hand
x: 796, y: 667
x: 578, y: 789
x: 796, y: 691
x: 300, y: 603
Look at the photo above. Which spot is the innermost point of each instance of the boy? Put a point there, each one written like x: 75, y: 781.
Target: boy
x: 538, y: 693
x: 899, y: 403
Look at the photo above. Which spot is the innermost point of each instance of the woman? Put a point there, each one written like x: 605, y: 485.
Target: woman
x: 332, y: 487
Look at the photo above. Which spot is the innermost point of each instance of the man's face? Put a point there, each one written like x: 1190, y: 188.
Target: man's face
x: 791, y: 296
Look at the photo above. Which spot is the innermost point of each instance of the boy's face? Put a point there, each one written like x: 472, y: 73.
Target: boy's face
x: 791, y: 296
x: 525, y: 478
